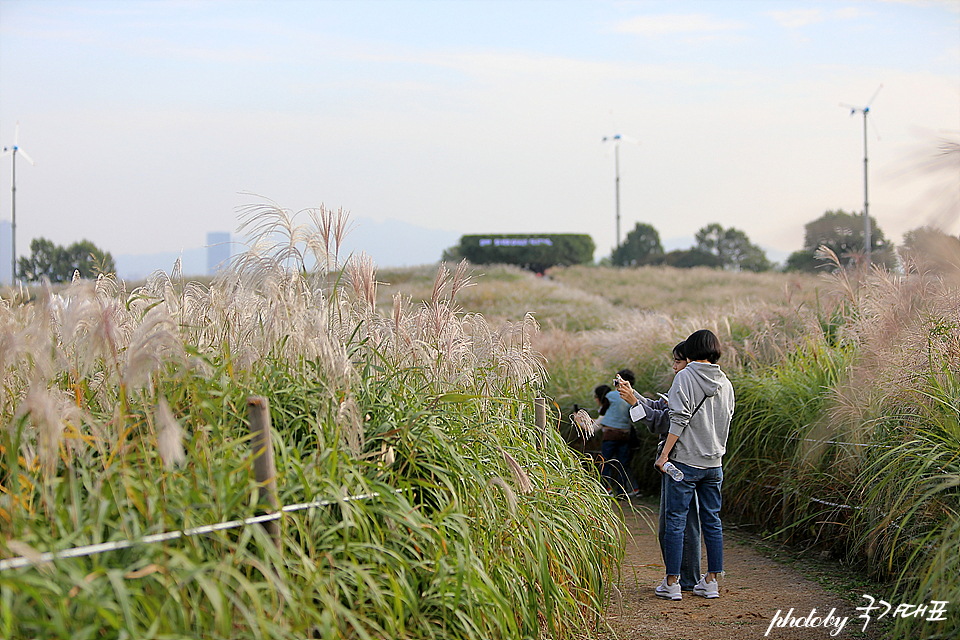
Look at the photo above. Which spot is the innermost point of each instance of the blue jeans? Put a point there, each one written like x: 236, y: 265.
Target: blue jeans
x: 690, y: 559
x: 697, y: 484
x: 616, y: 462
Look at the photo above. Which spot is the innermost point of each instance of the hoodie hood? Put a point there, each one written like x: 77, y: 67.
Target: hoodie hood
x: 708, y: 376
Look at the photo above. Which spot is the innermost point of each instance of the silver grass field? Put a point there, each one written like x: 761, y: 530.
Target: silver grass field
x: 846, y: 437
x: 125, y: 415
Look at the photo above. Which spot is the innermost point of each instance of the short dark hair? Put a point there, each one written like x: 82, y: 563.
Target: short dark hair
x: 679, y: 351
x: 703, y: 345
x: 627, y: 375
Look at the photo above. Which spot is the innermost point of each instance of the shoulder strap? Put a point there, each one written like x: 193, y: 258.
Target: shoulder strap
x: 704, y: 399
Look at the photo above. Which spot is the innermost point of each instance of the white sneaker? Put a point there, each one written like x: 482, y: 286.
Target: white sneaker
x: 707, y: 589
x: 669, y: 591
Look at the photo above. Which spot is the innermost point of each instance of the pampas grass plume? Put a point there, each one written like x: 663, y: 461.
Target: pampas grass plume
x: 585, y: 423
x: 508, y: 493
x: 519, y: 475
x: 170, y: 437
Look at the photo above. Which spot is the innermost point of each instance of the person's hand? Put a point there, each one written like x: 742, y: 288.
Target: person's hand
x: 626, y: 392
x: 662, y: 460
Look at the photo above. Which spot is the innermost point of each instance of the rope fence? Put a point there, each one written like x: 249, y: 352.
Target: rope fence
x: 265, y: 471
x: 93, y: 549
x: 797, y: 493
x: 851, y: 444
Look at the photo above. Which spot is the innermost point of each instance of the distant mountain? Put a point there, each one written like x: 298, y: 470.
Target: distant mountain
x: 393, y: 243
x: 390, y: 243
x: 138, y: 267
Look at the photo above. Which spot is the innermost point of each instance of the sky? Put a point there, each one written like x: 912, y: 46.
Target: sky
x: 151, y: 123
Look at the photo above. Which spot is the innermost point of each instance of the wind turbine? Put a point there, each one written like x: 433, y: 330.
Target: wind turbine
x: 13, y: 189
x: 616, y: 159
x: 866, y: 211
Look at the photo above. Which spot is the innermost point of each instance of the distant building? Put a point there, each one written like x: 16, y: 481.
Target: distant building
x: 218, y: 251
x: 6, y: 248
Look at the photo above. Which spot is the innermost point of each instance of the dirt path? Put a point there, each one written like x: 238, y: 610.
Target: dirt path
x: 752, y: 591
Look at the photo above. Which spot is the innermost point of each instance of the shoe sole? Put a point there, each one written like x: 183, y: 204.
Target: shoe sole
x: 669, y: 596
x: 709, y: 596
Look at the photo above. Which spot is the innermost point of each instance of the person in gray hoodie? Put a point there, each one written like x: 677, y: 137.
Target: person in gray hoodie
x: 655, y: 416
x: 701, y: 401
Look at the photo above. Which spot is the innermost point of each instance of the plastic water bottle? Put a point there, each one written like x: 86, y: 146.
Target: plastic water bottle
x: 671, y: 470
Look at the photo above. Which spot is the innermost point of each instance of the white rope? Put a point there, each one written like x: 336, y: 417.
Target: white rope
x: 92, y: 549
x: 852, y: 444
x: 810, y: 498
x: 832, y: 504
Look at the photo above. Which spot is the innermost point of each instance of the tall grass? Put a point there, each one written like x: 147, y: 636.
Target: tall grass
x: 853, y: 442
x: 846, y: 431
x: 124, y: 415
x: 503, y: 292
x: 686, y: 292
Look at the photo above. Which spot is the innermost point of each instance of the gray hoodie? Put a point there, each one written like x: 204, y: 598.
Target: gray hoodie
x: 702, y: 440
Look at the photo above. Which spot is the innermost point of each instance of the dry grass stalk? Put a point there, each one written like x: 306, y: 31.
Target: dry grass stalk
x: 519, y: 475
x: 270, y: 303
x: 584, y: 422
x: 363, y: 279
x: 169, y: 436
x: 508, y: 493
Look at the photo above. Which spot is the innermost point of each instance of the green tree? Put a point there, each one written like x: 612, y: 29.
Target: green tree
x: 733, y: 247
x: 687, y: 259
x: 451, y: 254
x: 56, y: 263
x: 534, y: 252
x: 843, y: 233
x: 933, y: 248
x: 642, y: 243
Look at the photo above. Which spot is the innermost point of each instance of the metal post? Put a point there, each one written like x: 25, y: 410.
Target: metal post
x: 867, y: 241
x: 616, y: 162
x: 13, y: 222
x: 264, y: 467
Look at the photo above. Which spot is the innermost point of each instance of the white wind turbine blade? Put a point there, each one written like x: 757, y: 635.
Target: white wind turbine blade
x: 616, y: 139
x: 853, y: 109
x: 25, y: 156
x: 609, y: 149
x: 16, y: 148
x: 870, y: 101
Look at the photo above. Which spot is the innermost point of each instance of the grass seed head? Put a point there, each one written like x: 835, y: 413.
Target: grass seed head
x: 169, y: 437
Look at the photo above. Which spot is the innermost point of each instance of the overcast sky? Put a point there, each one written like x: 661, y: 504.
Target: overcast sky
x: 149, y: 121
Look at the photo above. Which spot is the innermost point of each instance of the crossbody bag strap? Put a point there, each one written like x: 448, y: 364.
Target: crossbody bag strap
x: 704, y: 399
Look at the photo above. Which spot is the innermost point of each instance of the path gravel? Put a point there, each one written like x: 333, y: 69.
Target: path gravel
x: 753, y: 590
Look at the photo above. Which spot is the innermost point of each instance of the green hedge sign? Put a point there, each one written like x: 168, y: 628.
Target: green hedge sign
x: 536, y: 252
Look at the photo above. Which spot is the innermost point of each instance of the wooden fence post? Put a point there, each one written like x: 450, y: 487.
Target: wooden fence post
x: 540, y: 417
x: 264, y: 467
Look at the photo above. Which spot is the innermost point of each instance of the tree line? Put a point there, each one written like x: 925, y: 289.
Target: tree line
x: 58, y: 264
x: 730, y: 248
x: 714, y: 246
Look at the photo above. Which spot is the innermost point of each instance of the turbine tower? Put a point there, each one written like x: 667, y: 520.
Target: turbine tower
x: 13, y: 208
x: 616, y: 160
x: 867, y: 241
